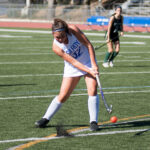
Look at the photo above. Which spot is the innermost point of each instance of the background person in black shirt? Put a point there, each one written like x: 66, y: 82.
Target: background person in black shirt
x: 115, y: 25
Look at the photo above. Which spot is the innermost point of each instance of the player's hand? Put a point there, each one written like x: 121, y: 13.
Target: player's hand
x: 108, y: 40
x: 94, y: 71
x: 95, y: 68
x: 121, y: 33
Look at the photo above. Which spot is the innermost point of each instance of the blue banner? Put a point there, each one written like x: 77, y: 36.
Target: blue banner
x: 128, y: 20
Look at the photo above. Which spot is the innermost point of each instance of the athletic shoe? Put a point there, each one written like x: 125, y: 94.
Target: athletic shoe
x: 41, y: 123
x: 111, y: 64
x: 106, y: 65
x: 93, y: 126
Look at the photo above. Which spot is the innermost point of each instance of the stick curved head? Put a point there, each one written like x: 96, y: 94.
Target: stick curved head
x: 110, y: 109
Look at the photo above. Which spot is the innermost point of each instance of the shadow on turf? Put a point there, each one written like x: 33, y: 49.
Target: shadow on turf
x: 5, y: 85
x: 54, y: 126
x: 62, y: 131
x: 141, y: 132
x: 142, y: 123
x: 127, y: 124
x: 109, y: 126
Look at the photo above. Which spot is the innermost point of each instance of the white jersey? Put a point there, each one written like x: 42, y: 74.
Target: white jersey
x: 78, y: 51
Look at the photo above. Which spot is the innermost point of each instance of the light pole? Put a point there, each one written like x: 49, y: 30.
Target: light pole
x: 28, y: 2
x: 51, y: 9
x: 25, y: 10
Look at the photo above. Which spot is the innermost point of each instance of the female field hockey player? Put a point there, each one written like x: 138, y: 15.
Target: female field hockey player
x: 79, y: 59
x: 115, y: 25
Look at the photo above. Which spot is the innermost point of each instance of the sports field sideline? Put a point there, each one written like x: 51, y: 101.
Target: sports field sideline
x: 30, y: 76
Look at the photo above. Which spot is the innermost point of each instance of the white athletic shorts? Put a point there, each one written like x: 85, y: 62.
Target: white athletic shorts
x: 71, y: 71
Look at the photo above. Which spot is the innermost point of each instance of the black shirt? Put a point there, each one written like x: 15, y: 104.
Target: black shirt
x: 116, y: 25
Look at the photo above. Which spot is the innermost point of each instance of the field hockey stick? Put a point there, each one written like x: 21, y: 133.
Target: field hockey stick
x: 98, y: 47
x: 109, y: 109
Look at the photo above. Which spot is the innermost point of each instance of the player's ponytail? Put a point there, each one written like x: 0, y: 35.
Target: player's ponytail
x: 113, y: 14
x: 60, y: 25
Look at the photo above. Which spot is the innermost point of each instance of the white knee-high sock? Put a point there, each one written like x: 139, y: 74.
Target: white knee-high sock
x: 93, y: 107
x: 53, y: 108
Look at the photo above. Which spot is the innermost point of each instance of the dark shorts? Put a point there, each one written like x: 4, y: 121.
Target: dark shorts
x: 114, y: 37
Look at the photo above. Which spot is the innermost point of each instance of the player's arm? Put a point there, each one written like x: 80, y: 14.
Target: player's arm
x: 83, y: 39
x: 71, y: 60
x: 109, y: 28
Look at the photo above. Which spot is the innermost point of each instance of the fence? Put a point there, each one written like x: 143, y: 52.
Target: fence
x: 78, y: 13
x: 42, y: 12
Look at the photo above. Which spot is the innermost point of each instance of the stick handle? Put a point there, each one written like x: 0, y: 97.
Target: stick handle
x: 109, y: 109
x: 100, y: 87
x: 98, y: 81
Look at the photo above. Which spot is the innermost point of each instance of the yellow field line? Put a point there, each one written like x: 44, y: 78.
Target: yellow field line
x: 141, y: 116
x: 29, y: 144
x: 33, y: 143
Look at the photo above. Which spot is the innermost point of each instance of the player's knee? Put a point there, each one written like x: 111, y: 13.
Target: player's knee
x: 92, y: 91
x: 117, y: 50
x: 110, y: 50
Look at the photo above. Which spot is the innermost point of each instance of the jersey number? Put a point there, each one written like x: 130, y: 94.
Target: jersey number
x: 76, y: 54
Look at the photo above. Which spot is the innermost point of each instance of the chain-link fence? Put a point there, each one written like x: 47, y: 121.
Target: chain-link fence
x: 72, y: 13
x: 42, y: 12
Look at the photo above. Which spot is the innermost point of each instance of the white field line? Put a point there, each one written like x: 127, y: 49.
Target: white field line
x: 22, y: 42
x: 44, y: 75
x: 134, y: 46
x: 44, y: 42
x: 49, y: 53
x: 52, y: 62
x: 130, y: 60
x: 137, y: 36
x: 126, y: 35
x: 83, y: 94
x: 78, y: 135
x: 48, y: 47
x: 110, y: 133
x: 132, y: 56
x: 24, y: 54
x: 29, y: 75
x: 26, y: 31
x: 129, y: 52
x: 89, y: 34
x: 26, y: 47
x: 135, y: 42
x: 40, y: 62
x: 12, y: 36
x: 44, y: 53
